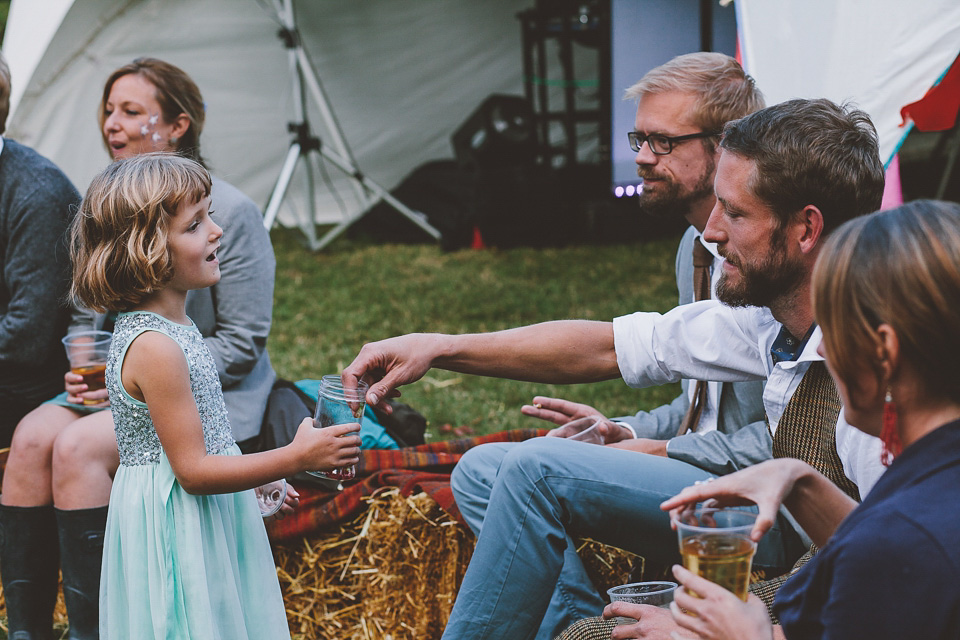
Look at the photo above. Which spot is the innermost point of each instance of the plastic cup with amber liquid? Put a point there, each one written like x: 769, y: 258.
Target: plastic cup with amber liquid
x: 715, y: 544
x: 87, y: 352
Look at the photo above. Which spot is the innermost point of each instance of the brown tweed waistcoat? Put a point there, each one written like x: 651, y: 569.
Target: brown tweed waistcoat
x: 807, y: 429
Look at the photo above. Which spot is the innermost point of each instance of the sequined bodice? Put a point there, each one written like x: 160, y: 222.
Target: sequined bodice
x: 137, y: 439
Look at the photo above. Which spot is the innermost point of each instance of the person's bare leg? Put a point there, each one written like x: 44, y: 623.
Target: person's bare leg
x: 85, y: 459
x: 29, y: 546
x: 27, y: 478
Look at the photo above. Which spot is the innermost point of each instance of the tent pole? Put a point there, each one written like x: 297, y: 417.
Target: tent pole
x: 415, y: 217
x: 304, y: 142
x: 333, y: 126
x: 286, y: 172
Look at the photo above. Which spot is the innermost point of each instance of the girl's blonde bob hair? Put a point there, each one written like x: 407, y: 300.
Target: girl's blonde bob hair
x: 118, y: 239
x: 899, y: 267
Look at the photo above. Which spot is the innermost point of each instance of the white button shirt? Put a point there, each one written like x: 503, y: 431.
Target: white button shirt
x: 709, y: 340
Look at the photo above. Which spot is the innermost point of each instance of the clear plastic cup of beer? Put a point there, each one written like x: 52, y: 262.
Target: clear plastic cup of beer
x: 87, y: 352
x: 715, y: 544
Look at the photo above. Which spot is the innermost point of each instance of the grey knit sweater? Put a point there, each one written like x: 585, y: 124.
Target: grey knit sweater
x: 37, y: 202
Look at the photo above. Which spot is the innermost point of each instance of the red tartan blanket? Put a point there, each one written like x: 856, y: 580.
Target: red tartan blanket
x: 423, y: 468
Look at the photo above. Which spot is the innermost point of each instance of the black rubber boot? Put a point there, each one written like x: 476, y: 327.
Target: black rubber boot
x: 29, y: 561
x: 81, y: 550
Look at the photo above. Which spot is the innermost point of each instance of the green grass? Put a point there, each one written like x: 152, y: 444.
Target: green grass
x: 328, y: 304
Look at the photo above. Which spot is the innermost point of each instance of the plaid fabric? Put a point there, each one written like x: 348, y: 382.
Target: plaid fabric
x: 767, y: 589
x: 589, y: 629
x: 425, y: 468
x: 807, y: 429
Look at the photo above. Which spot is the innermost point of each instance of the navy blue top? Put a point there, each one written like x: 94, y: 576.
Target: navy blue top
x: 892, y: 568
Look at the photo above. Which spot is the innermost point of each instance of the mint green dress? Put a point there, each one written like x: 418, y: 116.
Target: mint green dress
x: 177, y: 565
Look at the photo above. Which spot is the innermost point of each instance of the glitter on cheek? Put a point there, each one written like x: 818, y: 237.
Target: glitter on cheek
x: 144, y: 130
x: 155, y: 137
x: 154, y: 119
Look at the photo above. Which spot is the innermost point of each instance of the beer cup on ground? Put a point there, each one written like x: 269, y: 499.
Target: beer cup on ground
x: 658, y: 594
x: 87, y: 352
x: 715, y: 544
x: 336, y: 405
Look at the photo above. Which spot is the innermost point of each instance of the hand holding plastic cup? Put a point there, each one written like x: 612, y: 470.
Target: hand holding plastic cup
x: 585, y: 429
x: 715, y: 544
x: 270, y: 496
x: 87, y: 352
x: 658, y: 594
x: 336, y: 405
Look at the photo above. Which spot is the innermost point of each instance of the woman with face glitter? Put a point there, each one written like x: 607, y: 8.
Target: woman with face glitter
x: 64, y: 454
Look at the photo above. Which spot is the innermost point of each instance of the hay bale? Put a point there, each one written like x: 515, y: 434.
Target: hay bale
x: 393, y: 573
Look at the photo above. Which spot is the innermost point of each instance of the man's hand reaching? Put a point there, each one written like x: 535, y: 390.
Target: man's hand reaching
x: 576, y: 420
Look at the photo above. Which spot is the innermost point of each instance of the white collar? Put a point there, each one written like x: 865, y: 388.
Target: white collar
x: 809, y: 353
x: 709, y: 246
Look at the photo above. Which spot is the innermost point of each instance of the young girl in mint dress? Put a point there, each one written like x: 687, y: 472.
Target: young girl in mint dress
x: 186, y: 554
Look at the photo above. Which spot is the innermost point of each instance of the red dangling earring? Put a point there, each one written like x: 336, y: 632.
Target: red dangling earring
x: 889, y: 434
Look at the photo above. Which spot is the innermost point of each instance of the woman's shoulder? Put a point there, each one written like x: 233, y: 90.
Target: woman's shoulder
x: 241, y: 220
x: 226, y: 198
x: 913, y: 526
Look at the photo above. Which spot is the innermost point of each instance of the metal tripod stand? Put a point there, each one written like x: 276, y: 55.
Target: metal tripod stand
x: 304, y: 143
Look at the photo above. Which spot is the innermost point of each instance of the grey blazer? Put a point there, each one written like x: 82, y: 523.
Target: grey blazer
x: 234, y: 315
x: 741, y: 438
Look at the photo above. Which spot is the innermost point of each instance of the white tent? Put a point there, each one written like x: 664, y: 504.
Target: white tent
x: 879, y: 54
x: 400, y: 76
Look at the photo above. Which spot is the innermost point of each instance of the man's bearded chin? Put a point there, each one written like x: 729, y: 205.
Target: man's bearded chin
x: 760, y: 285
x: 668, y: 203
x: 671, y: 202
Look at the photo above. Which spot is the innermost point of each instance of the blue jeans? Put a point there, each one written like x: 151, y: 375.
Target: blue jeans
x: 525, y: 501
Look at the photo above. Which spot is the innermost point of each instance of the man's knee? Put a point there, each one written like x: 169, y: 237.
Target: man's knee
x: 477, y: 469
x: 533, y: 458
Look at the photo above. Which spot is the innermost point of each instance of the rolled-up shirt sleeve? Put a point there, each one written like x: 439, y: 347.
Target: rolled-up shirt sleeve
x: 701, y: 341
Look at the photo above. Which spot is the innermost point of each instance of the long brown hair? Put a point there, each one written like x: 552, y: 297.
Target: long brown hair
x: 176, y: 93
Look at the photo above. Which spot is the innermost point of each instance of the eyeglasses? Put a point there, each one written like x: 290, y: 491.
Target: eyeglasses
x: 660, y: 144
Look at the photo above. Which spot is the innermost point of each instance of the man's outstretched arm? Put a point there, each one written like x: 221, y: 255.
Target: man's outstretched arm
x: 560, y: 352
